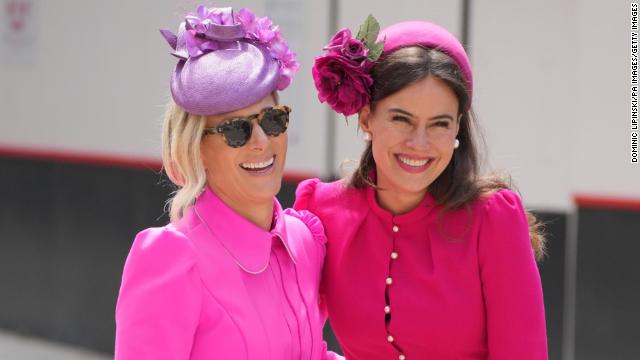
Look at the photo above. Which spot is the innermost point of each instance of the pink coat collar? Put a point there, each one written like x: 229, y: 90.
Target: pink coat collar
x: 247, y: 244
x: 422, y: 210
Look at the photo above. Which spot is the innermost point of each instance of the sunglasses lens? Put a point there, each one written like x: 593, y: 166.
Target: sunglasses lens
x: 237, y: 132
x: 274, y: 122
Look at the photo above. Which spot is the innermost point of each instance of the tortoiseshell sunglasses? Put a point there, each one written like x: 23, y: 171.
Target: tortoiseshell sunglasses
x: 273, y: 121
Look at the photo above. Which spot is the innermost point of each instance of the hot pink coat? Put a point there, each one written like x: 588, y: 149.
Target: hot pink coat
x: 215, y: 286
x: 423, y: 286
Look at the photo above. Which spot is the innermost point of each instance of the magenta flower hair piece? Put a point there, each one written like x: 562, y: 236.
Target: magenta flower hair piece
x: 207, y: 28
x: 342, y: 76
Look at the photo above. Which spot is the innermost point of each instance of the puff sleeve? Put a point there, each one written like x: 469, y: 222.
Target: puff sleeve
x: 510, y: 282
x: 160, y: 298
x: 316, y: 228
x: 305, y: 194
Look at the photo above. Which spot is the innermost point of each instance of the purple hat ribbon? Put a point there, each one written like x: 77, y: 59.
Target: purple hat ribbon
x: 215, y: 24
x: 203, y: 32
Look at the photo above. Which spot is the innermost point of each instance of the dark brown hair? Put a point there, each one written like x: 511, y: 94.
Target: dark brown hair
x: 460, y: 183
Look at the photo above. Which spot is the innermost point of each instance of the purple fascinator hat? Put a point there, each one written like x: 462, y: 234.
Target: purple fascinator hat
x: 227, y: 60
x: 342, y: 76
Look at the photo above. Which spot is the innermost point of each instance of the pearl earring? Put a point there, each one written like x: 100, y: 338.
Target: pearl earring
x: 366, y: 136
x: 456, y: 144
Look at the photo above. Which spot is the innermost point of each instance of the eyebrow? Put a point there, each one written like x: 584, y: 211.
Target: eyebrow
x: 227, y: 118
x: 437, y: 117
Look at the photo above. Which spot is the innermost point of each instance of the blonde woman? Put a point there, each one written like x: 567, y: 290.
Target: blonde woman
x: 233, y: 276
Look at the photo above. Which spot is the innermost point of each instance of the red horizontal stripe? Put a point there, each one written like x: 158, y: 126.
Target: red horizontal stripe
x: 100, y: 159
x: 607, y: 202
x: 87, y: 158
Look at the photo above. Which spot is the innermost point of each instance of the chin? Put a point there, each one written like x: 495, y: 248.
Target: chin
x: 410, y: 183
x: 413, y: 188
x: 266, y: 190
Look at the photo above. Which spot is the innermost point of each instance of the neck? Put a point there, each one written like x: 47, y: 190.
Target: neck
x: 258, y: 213
x: 397, y: 202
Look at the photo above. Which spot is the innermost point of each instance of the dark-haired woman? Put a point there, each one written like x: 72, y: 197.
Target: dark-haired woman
x: 426, y: 259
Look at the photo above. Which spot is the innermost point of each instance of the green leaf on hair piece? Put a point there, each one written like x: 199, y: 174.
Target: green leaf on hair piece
x: 368, y: 32
x: 375, y: 51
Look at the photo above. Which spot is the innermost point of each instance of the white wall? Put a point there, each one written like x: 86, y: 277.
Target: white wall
x: 552, y: 95
x: 526, y: 93
x: 600, y: 135
x: 97, y: 78
x: 551, y: 84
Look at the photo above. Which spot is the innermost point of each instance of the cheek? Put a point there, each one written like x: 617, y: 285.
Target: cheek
x: 445, y: 147
x: 280, y: 143
x: 385, y: 140
x: 381, y: 149
x: 216, y: 158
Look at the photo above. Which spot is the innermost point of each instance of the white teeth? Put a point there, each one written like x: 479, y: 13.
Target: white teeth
x: 413, y: 162
x: 259, y: 165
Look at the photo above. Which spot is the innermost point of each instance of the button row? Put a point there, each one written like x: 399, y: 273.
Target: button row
x: 389, y: 281
x: 401, y: 356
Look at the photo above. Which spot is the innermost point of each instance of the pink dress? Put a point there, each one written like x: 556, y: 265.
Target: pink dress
x: 423, y: 286
x: 215, y: 286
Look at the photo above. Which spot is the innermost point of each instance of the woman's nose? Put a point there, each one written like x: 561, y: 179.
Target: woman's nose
x: 419, y: 139
x: 258, y: 139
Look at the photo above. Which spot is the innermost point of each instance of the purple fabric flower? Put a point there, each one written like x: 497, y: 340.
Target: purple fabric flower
x: 198, y: 45
x: 222, y: 16
x: 338, y: 40
x: 354, y: 49
x: 260, y: 29
x: 265, y: 30
x: 199, y: 21
x: 201, y: 27
x: 248, y: 21
x: 342, y: 83
x: 342, y: 42
x: 279, y: 49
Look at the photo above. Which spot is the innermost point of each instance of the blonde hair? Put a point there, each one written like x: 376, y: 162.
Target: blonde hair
x: 181, y: 159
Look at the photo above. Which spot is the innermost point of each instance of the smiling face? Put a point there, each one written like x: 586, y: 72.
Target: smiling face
x: 413, y: 133
x: 246, y: 175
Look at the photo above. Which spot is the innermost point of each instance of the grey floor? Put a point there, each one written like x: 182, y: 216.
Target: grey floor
x: 18, y: 347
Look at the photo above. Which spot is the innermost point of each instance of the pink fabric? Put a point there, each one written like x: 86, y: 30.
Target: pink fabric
x: 432, y: 36
x: 215, y: 286
x: 464, y: 286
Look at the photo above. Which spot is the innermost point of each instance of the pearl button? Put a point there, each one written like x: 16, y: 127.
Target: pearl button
x: 387, y: 309
x: 395, y: 228
x: 394, y: 255
x: 389, y: 281
x: 401, y: 357
x: 390, y: 338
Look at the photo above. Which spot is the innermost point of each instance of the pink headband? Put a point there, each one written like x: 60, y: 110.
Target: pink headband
x: 430, y: 36
x: 343, y: 75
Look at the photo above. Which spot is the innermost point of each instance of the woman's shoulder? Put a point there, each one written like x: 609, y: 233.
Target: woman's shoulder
x: 503, y: 219
x: 313, y: 194
x: 503, y: 203
x: 161, y: 247
x: 490, y: 212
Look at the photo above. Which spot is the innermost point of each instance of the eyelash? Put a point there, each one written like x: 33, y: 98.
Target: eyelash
x: 403, y: 119
x: 400, y: 118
